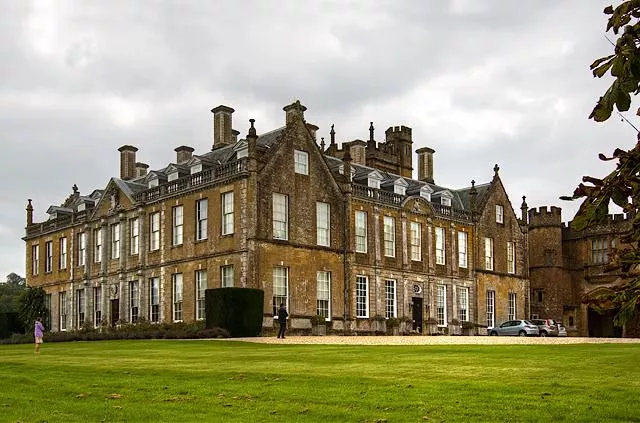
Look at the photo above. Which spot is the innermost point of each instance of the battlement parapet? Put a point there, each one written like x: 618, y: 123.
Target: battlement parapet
x: 400, y: 133
x: 545, y: 216
x: 614, y: 223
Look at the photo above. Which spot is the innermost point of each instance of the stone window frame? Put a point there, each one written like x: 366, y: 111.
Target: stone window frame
x: 415, y: 241
x: 82, y: 249
x: 488, y: 254
x: 491, y: 308
x: 48, y: 256
x: 227, y: 276
x: 202, y: 219
x: 389, y: 225
x: 361, y: 232
x: 200, y: 288
x: 62, y: 259
x: 511, y: 258
x: 97, y: 245
x: 301, y: 162
x: 280, y: 216
x: 35, y: 259
x: 441, y: 305
x: 323, y: 294
x: 177, y: 292
x: 512, y: 306
x: 463, y: 304
x: 391, y: 298
x: 440, y: 249
x: 227, y: 203
x: 154, y: 231
x: 177, y: 225
x: 134, y: 301
x: 463, y: 252
x: 134, y: 241
x: 80, y: 307
x: 362, y: 297
x: 280, y: 277
x: 154, y: 300
x: 97, y: 306
x: 499, y: 214
x: 115, y: 241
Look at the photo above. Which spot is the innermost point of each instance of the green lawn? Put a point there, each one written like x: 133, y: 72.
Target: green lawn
x: 242, y: 382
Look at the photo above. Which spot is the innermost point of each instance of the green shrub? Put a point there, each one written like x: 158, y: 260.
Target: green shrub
x: 392, y: 322
x: 10, y: 323
x: 318, y: 320
x: 237, y: 310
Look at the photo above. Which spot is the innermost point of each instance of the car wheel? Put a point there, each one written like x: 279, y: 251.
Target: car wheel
x: 494, y: 333
x: 522, y: 333
x: 543, y: 334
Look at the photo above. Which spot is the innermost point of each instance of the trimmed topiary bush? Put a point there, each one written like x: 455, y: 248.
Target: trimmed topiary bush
x: 238, y: 310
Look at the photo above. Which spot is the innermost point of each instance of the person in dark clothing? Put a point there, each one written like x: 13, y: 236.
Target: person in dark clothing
x: 282, y: 318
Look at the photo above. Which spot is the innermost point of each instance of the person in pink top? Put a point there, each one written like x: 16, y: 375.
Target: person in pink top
x: 37, y: 333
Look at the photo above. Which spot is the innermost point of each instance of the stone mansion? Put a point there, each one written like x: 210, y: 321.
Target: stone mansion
x: 343, y: 231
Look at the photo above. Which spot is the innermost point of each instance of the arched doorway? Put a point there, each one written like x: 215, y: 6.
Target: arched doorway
x: 601, y: 325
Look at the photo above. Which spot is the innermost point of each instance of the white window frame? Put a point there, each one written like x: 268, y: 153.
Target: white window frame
x: 280, y: 289
x: 391, y: 298
x: 48, y: 256
x: 416, y: 241
x: 491, y: 308
x: 82, y: 249
x: 441, y: 305
x: 323, y: 224
x: 227, y: 276
x: 202, y: 219
x: 227, y: 213
x: 323, y: 294
x: 196, y: 168
x: 201, y: 286
x: 177, y: 231
x: 463, y: 304
x: 97, y: 245
x: 512, y: 306
x: 362, y: 297
x: 361, y: 231
x: 463, y: 239
x: 177, y: 295
x: 511, y: 257
x: 301, y: 160
x: 115, y: 241
x: 445, y: 201
x: 280, y: 216
x: 97, y: 306
x: 440, y: 245
x: 488, y: 253
x: 154, y: 231
x: 154, y: 300
x: 135, y: 236
x: 62, y: 261
x: 373, y: 183
x: 62, y: 307
x: 499, y: 214
x: 134, y: 301
x: 80, y: 308
x: 399, y: 189
x: 389, y: 236
x: 35, y: 259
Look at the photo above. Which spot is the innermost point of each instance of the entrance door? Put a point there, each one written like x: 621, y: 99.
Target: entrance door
x: 115, y: 311
x: 416, y: 314
x: 601, y: 325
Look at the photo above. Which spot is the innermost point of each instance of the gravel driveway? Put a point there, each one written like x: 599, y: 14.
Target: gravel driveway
x: 434, y: 340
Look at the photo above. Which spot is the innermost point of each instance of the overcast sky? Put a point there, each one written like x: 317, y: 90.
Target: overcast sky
x: 481, y: 82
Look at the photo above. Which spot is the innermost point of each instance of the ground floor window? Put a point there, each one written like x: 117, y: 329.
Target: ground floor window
x: 97, y: 306
x: 201, y: 286
x: 441, y: 305
x: 80, y: 307
x: 491, y: 312
x: 390, y: 298
x: 134, y: 301
x: 463, y: 304
x: 177, y: 297
x: 362, y: 296
x: 512, y: 306
x: 323, y: 294
x: 154, y: 299
x: 62, y: 306
x: 280, y: 288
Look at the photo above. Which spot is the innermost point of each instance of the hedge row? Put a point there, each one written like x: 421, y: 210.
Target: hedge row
x: 144, y: 330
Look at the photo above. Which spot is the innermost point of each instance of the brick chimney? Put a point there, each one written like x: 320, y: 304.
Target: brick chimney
x: 222, y: 126
x: 183, y: 154
x: 29, y: 213
x: 127, y: 162
x: 425, y: 164
x: 141, y: 169
x: 234, y: 135
x: 292, y: 110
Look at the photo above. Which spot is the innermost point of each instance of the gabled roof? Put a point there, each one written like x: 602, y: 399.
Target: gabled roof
x: 465, y: 197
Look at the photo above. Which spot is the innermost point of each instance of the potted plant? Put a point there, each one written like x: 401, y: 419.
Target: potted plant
x: 318, y: 325
x: 393, y: 326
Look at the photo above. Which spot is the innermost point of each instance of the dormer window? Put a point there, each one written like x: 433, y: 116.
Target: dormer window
x: 153, y: 183
x: 399, y: 189
x: 373, y: 183
x: 426, y: 195
x: 445, y: 201
x: 173, y: 176
x: 82, y: 207
x: 197, y: 168
x: 242, y: 153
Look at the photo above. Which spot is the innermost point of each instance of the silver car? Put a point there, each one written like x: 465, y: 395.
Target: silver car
x: 514, y: 328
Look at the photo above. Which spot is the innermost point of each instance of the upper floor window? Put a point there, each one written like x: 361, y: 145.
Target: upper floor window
x: 426, y: 195
x: 115, y: 241
x: 538, y: 295
x: 488, y: 253
x: 373, y: 183
x: 135, y: 238
x: 462, y: 249
x: 416, y: 241
x: 226, y: 276
x: 511, y: 258
x: 361, y: 231
x: 154, y: 231
x: 389, y: 236
x: 280, y: 216
x: 399, y: 189
x: 82, y: 248
x: 440, y: 257
x: 600, y: 251
x: 301, y: 159
x: 48, y: 256
x: 154, y: 183
x: 201, y: 219
x: 63, y: 253
x: 499, y: 214
x: 322, y: 224
x: 178, y: 225
x: 97, y: 245
x: 197, y: 168
x: 227, y: 213
x: 172, y: 176
x: 445, y: 201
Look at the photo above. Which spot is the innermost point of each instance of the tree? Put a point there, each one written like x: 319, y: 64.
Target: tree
x: 10, y: 293
x: 32, y: 305
x: 622, y: 186
x: 16, y: 280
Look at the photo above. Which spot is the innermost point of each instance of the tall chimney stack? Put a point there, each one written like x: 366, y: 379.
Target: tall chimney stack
x: 222, y: 126
x: 141, y: 169
x: 183, y: 154
x: 29, y: 213
x: 292, y: 110
x: 425, y: 164
x: 127, y: 162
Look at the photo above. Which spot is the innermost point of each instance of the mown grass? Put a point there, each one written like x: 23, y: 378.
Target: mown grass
x: 164, y: 381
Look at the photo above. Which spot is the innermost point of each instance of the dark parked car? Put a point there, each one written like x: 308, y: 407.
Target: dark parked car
x: 514, y: 328
x: 548, y: 327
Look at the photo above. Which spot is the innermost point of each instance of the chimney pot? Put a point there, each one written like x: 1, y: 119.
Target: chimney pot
x: 292, y: 110
x: 183, y: 154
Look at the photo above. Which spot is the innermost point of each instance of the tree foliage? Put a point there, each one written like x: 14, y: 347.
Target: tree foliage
x: 10, y: 293
x: 622, y: 186
x: 32, y: 305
